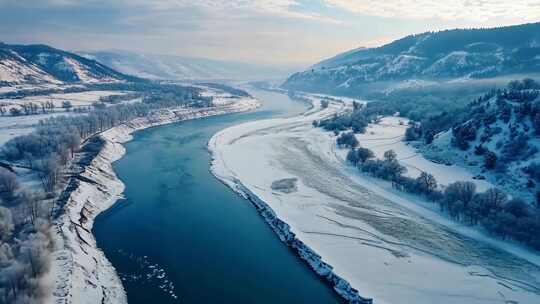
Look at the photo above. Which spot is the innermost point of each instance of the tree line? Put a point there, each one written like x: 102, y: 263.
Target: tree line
x: 493, y: 209
x: 26, y: 212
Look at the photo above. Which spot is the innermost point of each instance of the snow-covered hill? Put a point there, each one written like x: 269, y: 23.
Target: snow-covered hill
x: 42, y: 65
x: 498, y: 139
x: 154, y: 66
x: 445, y: 55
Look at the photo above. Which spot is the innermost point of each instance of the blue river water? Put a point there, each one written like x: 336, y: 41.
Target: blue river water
x: 181, y: 236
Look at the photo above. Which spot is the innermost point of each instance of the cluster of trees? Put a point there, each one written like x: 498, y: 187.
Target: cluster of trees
x: 25, y: 241
x: 347, y: 139
x: 388, y: 168
x: 432, y: 115
x: 525, y: 84
x: 492, y: 209
x: 517, y: 106
x: 116, y: 99
x: 25, y: 213
x: 32, y: 108
x: 504, y: 217
x: 53, y: 143
x: 231, y: 90
x: 357, y: 120
x: 325, y: 103
x: 482, y: 119
x: 434, y: 120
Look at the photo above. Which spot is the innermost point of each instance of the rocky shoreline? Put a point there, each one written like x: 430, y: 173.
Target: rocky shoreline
x: 283, y: 231
x: 79, y: 270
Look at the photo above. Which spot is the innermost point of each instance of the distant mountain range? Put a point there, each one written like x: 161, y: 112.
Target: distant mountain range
x: 183, y: 68
x: 446, y: 55
x: 42, y: 65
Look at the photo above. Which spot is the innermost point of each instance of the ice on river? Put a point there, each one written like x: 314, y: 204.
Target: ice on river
x: 387, y: 246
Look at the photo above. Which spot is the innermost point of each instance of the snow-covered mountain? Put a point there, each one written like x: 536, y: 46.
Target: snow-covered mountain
x: 445, y: 55
x: 41, y: 64
x: 182, y: 68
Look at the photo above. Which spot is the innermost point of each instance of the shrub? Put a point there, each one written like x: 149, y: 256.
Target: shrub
x: 347, y: 139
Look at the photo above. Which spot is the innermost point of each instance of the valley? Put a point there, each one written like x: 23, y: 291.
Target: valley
x: 407, y: 172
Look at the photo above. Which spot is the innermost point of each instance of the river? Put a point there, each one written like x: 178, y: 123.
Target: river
x: 181, y: 236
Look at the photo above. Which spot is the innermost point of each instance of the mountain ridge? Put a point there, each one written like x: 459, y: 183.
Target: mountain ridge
x: 42, y: 64
x: 171, y: 67
x: 443, y: 55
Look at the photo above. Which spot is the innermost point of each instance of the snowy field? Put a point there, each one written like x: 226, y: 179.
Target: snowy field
x: 388, y: 134
x: 385, y: 243
x: 13, y: 126
x: 77, y: 99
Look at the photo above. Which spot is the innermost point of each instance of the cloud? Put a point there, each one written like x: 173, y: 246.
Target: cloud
x: 283, y: 8
x: 472, y: 10
x: 282, y: 31
x: 280, y: 8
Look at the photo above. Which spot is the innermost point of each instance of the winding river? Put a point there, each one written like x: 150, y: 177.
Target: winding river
x: 180, y: 236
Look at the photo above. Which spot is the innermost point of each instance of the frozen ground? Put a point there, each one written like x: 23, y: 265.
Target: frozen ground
x: 385, y: 243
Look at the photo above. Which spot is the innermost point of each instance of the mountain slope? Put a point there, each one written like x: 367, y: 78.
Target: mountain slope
x: 41, y: 64
x: 451, y: 54
x: 176, y: 67
x: 497, y: 137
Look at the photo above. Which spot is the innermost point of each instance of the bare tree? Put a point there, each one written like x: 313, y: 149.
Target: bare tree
x: 495, y: 198
x: 50, y: 172
x: 30, y: 207
x: 426, y: 182
x: 6, y: 224
x: 74, y: 141
x: 8, y: 183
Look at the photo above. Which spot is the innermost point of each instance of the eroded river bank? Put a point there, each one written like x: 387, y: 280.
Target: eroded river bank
x: 180, y: 235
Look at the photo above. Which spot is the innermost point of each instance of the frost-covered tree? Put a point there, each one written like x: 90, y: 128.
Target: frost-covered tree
x: 347, y: 139
x: 8, y: 183
x: 490, y: 160
x: 324, y: 103
x: 492, y: 200
x: 517, y: 207
x: 390, y: 156
x: 6, y: 224
x: 364, y: 154
x: 359, y: 155
x: 413, y: 132
x: 67, y: 105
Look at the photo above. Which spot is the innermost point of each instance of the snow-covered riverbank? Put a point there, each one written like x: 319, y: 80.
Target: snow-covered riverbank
x: 381, y: 242
x: 80, y: 272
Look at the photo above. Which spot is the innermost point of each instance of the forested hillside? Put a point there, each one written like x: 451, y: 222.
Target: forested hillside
x: 446, y: 55
x: 496, y: 135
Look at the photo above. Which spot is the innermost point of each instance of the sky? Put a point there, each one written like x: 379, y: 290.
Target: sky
x: 278, y: 32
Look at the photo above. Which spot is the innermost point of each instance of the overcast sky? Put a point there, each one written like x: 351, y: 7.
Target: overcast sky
x: 284, y: 32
